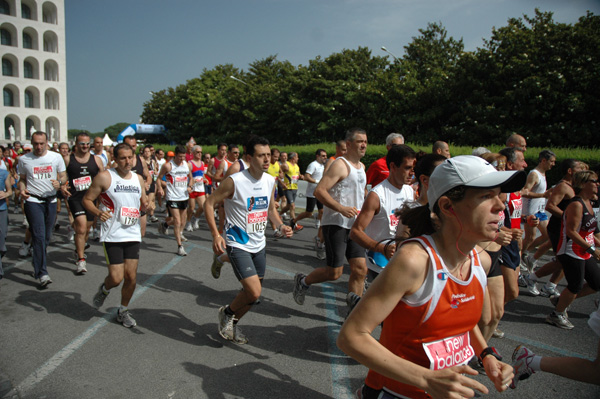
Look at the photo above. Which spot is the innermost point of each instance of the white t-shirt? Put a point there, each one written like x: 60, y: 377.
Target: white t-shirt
x: 122, y: 199
x: 247, y: 212
x: 315, y: 170
x: 40, y: 172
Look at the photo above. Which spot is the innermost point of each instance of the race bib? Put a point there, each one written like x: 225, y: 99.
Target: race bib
x: 517, y: 208
x: 256, y: 222
x: 82, y: 183
x: 295, y: 179
x: 42, y: 172
x: 153, y: 174
x: 129, y: 216
x: 590, y: 239
x: 393, y: 221
x: 449, y: 352
x: 180, y: 181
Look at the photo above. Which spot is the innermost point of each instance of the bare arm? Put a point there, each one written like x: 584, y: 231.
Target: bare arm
x: 100, y: 184
x: 7, y: 188
x: 276, y: 219
x: 166, y: 168
x: 144, y: 198
x: 338, y: 171
x: 556, y: 196
x: 225, y: 190
x: 370, y: 208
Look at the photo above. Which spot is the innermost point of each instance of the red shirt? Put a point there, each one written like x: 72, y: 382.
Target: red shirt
x: 377, y: 172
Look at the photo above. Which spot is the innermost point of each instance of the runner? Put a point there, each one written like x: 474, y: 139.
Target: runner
x: 534, y: 206
x: 516, y: 141
x: 179, y: 184
x: 248, y: 198
x: 291, y: 175
x: 577, y: 251
x: 207, y: 162
x: 42, y: 172
x: 375, y: 225
x: 313, y: 175
x: 425, y: 341
x: 378, y: 171
x: 122, y: 197
x: 441, y: 148
x: 82, y: 167
x: 197, y: 196
x: 98, y: 151
x: 5, y: 193
x: 139, y: 167
x: 340, y: 151
x: 342, y: 192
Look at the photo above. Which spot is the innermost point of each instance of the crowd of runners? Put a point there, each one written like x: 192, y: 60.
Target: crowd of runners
x: 436, y: 245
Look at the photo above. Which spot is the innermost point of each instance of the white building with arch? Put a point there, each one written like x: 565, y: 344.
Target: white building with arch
x: 34, y: 62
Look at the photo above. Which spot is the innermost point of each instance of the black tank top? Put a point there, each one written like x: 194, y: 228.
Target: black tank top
x: 80, y: 176
x: 554, y: 224
x: 139, y: 167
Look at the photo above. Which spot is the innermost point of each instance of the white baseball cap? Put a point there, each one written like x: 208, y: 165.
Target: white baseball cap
x: 471, y: 171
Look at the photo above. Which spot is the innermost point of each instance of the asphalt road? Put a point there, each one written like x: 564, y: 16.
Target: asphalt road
x: 53, y: 344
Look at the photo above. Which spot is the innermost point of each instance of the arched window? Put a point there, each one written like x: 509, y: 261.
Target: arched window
x: 9, y: 98
x: 51, y: 99
x: 7, y: 67
x: 29, y: 99
x: 28, y: 125
x: 51, y: 71
x: 8, y: 122
x: 4, y: 7
x: 6, y: 37
x: 25, y: 11
x: 49, y: 13
x: 27, y: 41
x: 28, y: 70
x: 50, y: 42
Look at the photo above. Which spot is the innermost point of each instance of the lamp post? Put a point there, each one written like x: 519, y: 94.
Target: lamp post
x: 390, y: 53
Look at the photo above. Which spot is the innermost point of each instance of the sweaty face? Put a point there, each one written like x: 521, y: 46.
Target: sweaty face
x: 98, y: 145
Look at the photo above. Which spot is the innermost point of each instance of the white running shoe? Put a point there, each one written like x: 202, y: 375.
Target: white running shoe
x: 81, y: 266
x: 24, y: 250
x: 188, y: 226
x: 45, y: 280
x: 196, y: 224
x: 226, y: 329
x: 184, y: 238
x: 181, y: 251
x: 299, y: 289
x: 126, y: 319
x: 521, y: 358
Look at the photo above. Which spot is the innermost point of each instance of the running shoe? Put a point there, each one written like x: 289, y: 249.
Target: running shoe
x: 299, y: 289
x: 188, y: 226
x: 529, y: 261
x: 153, y: 219
x: 285, y: 217
x: 277, y: 233
x: 298, y: 227
x: 521, y: 281
x: 163, y: 229
x: 559, y: 320
x: 45, y: 280
x: 126, y: 318
x: 181, y: 251
x: 184, y: 238
x: 351, y: 300
x: 239, y: 337
x: 99, y: 297
x: 320, y: 249
x: 215, y: 269
x: 70, y: 234
x: 531, y: 287
x: 549, y: 292
x: 24, y: 250
x: 25, y: 222
x: 226, y: 328
x: 498, y: 333
x: 554, y: 302
x: 196, y: 224
x: 81, y: 266
x: 521, y: 358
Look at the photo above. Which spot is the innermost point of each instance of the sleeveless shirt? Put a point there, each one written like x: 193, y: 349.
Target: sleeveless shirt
x: 348, y: 192
x: 81, y: 176
x: 122, y: 199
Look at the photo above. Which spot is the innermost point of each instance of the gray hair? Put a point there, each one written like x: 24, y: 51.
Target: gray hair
x: 393, y: 136
x: 479, y: 151
x: 196, y: 147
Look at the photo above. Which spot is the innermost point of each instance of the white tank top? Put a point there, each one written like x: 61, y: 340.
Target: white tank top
x: 348, y: 192
x: 383, y: 225
x: 531, y: 206
x: 247, y: 212
x: 122, y: 199
x: 177, y: 182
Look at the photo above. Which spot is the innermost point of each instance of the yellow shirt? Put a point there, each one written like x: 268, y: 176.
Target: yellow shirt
x: 292, y: 176
x: 274, y: 170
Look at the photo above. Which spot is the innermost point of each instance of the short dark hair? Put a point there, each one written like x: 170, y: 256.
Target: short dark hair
x: 180, y: 149
x: 232, y: 146
x: 40, y: 133
x: 398, y: 153
x: 546, y: 154
x: 426, y: 164
x: 510, y: 153
x: 320, y: 150
x: 129, y: 137
x: 221, y: 145
x: 256, y: 140
x: 567, y: 164
x: 81, y: 134
x: 120, y: 147
x: 351, y: 133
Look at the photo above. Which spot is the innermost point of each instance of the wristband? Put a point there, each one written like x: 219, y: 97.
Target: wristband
x: 591, y: 250
x: 490, y: 350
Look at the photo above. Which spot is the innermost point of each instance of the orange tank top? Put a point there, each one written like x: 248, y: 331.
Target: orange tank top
x: 431, y: 327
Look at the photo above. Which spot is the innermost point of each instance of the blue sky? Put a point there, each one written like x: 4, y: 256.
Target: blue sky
x: 119, y: 50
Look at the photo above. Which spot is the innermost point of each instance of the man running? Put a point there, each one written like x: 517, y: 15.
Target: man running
x: 441, y: 148
x: 42, y: 173
x: 249, y: 203
x: 139, y: 167
x: 98, y: 151
x: 342, y: 192
x: 179, y: 185
x: 197, y: 196
x: 291, y: 175
x: 122, y: 198
x: 82, y: 167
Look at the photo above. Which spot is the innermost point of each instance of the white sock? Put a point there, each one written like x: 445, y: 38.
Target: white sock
x: 303, y: 282
x: 535, y: 363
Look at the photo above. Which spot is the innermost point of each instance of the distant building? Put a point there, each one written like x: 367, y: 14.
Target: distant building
x: 34, y: 74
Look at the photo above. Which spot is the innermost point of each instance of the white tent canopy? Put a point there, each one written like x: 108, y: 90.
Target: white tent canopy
x: 106, y: 140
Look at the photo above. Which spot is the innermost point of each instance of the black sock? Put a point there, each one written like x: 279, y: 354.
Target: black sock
x: 229, y: 312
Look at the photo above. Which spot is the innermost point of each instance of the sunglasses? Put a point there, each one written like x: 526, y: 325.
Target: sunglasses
x: 86, y: 143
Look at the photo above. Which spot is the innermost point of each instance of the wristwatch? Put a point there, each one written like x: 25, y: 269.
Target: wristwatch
x: 490, y: 350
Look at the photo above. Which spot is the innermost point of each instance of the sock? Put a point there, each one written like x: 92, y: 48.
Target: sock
x: 220, y: 257
x: 303, y: 282
x: 228, y: 311
x: 122, y: 309
x: 535, y: 363
x: 550, y: 285
x: 104, y: 290
x: 166, y: 225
